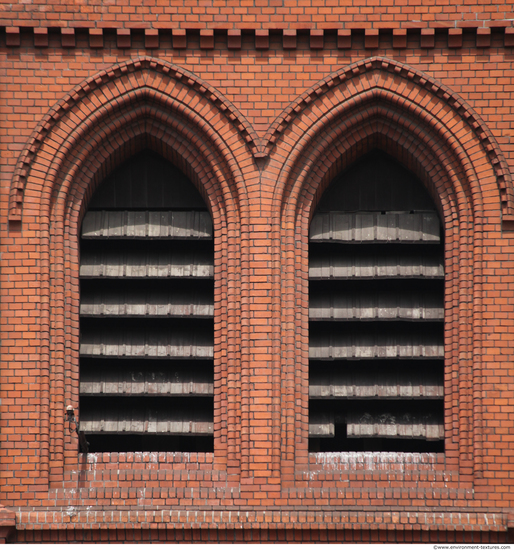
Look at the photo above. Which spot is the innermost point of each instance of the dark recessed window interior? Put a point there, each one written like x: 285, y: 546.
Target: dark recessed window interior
x: 146, y: 312
x: 376, y: 313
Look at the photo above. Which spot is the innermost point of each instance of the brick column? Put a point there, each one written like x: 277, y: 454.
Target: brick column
x: 261, y: 443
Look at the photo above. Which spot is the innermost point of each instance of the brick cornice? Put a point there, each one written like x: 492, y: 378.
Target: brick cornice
x: 291, y: 36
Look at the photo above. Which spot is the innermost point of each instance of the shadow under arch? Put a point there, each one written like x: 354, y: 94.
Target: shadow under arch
x: 376, y: 107
x: 132, y: 107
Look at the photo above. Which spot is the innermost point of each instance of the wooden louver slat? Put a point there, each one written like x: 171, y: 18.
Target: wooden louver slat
x: 386, y: 343
x: 374, y: 227
x: 149, y: 303
x: 146, y: 264
x: 384, y: 425
x: 147, y: 420
x: 400, y: 383
x: 102, y: 224
x: 398, y: 304
x: 426, y: 426
x: 367, y: 268
x: 140, y: 342
x: 130, y: 381
x: 377, y: 265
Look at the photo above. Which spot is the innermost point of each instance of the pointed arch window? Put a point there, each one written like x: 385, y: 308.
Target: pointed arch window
x: 146, y: 312
x: 376, y: 313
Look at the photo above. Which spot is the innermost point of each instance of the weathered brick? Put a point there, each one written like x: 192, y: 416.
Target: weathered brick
x: 261, y: 122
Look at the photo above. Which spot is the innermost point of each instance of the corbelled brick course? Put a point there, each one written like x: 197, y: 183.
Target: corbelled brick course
x: 261, y: 107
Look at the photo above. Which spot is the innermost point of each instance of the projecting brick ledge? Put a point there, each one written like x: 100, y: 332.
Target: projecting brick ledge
x: 74, y: 518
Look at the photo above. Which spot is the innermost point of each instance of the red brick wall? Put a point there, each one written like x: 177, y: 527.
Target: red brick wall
x: 260, y: 121
x: 266, y: 14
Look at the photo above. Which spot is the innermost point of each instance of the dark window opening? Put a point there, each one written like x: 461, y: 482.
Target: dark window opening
x: 376, y: 313
x: 147, y: 312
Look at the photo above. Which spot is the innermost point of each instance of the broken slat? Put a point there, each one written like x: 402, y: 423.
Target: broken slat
x: 152, y: 264
x: 321, y: 425
x: 105, y: 224
x: 408, y: 305
x: 362, y: 227
x: 406, y: 425
x: 146, y: 420
x: 371, y: 383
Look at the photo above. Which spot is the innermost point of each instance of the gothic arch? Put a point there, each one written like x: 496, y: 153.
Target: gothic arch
x: 173, y: 87
x: 341, y: 93
x: 378, y: 103
x: 144, y: 103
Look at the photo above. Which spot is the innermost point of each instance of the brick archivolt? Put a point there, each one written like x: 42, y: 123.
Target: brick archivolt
x: 401, y: 88
x: 408, y: 87
x: 143, y: 79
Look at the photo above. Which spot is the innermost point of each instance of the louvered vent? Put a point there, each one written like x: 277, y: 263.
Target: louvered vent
x: 146, y: 312
x: 376, y: 284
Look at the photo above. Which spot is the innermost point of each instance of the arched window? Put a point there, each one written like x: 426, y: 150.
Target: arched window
x: 146, y: 312
x: 376, y: 313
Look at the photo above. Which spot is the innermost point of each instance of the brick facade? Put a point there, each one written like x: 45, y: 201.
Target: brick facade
x: 261, y: 107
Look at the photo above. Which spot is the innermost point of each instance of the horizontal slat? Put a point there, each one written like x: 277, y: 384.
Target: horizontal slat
x: 321, y: 426
x: 146, y: 421
x: 146, y: 343
x: 147, y: 303
x: 378, y: 265
x: 427, y: 426
x: 146, y: 264
x: 375, y: 383
x: 146, y: 224
x: 362, y: 227
x: 150, y: 382
x: 349, y: 343
x: 376, y: 305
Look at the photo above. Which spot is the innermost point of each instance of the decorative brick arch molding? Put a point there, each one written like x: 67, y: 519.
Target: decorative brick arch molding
x: 144, y: 103
x: 378, y: 103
